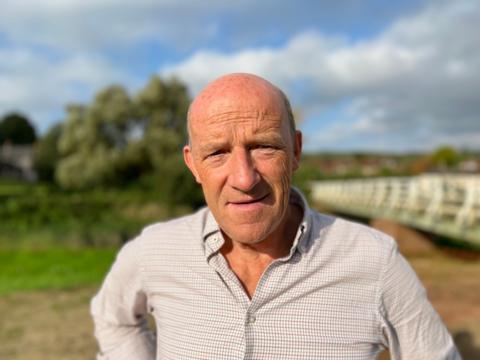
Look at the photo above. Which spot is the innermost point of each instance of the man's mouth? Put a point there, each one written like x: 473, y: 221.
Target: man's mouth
x: 249, y: 201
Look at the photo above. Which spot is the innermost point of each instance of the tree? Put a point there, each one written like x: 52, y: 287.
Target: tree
x: 445, y: 157
x: 162, y: 111
x: 117, y: 139
x: 16, y: 129
x: 93, y: 139
x: 46, y: 154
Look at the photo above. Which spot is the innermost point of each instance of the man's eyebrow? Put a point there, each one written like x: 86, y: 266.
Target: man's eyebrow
x: 268, y: 137
x: 210, y: 146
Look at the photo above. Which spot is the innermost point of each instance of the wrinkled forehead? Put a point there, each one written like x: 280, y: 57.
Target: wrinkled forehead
x: 237, y: 95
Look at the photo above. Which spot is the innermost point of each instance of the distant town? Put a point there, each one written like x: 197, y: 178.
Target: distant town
x: 364, y: 164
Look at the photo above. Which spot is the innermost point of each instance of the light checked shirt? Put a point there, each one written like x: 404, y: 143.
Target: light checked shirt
x: 343, y: 292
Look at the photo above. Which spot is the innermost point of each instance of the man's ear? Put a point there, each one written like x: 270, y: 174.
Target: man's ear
x: 297, y: 150
x: 188, y: 158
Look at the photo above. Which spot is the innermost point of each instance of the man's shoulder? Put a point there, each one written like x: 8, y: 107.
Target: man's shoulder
x: 350, y: 237
x: 177, y: 229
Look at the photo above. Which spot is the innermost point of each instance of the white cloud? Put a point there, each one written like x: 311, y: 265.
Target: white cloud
x: 34, y: 84
x: 96, y: 24
x: 418, y: 81
x: 90, y: 25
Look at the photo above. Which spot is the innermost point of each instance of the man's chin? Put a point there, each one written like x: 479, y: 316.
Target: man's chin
x: 248, y: 234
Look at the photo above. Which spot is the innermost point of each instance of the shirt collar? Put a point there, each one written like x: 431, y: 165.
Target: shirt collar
x: 302, y: 238
x: 213, y: 237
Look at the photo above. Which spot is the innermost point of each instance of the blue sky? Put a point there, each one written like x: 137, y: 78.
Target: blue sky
x: 362, y: 75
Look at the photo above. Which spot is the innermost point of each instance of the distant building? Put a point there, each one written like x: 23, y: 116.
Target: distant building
x: 16, y: 162
x: 469, y: 166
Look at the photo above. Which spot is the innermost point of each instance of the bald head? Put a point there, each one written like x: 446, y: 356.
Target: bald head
x: 249, y: 92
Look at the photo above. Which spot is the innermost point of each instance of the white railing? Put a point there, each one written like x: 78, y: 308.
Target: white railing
x: 447, y: 204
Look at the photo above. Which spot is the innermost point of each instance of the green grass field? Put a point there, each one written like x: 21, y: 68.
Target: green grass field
x: 53, y: 268
x: 55, y: 239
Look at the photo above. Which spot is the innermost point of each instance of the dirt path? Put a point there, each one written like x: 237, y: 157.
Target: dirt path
x: 56, y: 324
x: 46, y: 325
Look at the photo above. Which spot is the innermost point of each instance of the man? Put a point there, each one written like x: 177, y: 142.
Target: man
x: 258, y: 274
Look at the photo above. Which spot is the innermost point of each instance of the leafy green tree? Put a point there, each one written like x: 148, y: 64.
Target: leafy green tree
x: 162, y: 111
x: 46, y: 154
x: 94, y: 139
x: 16, y: 129
x: 445, y: 157
x: 118, y: 139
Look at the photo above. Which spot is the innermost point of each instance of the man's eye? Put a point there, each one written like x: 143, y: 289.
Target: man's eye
x: 216, y: 153
x: 266, y: 147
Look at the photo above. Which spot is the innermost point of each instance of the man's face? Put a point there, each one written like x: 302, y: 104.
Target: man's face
x: 243, y: 154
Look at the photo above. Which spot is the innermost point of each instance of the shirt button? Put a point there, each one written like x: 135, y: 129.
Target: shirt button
x: 251, y: 319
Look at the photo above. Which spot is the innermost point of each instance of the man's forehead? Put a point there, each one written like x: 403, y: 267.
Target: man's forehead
x: 223, y: 124
x: 256, y: 117
x: 237, y: 92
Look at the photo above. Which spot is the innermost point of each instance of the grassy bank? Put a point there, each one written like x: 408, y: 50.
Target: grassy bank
x: 52, y: 268
x: 36, y: 216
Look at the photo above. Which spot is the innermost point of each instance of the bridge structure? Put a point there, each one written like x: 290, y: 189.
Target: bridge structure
x: 444, y: 204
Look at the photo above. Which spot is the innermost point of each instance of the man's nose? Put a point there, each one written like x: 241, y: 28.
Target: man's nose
x: 243, y: 173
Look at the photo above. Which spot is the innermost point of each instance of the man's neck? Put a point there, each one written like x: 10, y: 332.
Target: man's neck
x: 249, y: 261
x: 275, y: 246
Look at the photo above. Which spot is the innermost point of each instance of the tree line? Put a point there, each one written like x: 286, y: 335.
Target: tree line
x: 118, y: 139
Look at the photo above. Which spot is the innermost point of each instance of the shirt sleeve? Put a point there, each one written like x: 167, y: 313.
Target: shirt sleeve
x: 411, y: 327
x: 119, y: 311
